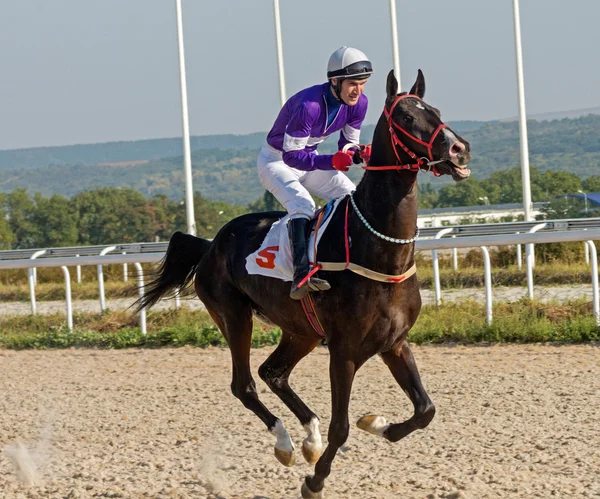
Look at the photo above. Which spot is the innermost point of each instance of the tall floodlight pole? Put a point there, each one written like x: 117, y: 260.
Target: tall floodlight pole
x: 187, y: 158
x: 395, y: 51
x: 279, y: 51
x: 527, y: 207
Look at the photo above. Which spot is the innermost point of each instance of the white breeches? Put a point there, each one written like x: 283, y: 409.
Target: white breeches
x: 293, y: 188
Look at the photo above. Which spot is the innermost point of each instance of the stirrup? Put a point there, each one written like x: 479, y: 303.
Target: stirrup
x: 309, y: 283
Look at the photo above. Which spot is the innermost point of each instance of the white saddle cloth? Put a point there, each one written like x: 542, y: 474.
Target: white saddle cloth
x: 274, y: 257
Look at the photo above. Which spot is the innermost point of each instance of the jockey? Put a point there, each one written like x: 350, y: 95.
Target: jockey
x: 289, y: 165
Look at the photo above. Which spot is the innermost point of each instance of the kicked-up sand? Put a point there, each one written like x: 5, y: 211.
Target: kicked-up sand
x: 512, y: 421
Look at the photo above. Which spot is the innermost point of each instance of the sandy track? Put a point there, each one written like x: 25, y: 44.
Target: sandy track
x: 512, y: 421
x: 500, y: 294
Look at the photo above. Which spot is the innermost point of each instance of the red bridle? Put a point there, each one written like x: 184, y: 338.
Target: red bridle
x: 419, y: 162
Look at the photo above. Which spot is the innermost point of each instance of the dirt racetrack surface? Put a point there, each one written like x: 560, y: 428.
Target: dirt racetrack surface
x: 512, y: 421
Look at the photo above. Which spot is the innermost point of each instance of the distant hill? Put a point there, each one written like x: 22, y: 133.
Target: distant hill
x: 120, y: 152
x: 558, y: 115
x: 224, y: 166
x: 130, y: 152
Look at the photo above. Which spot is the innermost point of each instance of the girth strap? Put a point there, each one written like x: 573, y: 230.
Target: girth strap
x: 368, y: 273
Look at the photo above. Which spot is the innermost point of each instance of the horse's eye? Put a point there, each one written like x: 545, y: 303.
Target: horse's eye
x: 407, y: 118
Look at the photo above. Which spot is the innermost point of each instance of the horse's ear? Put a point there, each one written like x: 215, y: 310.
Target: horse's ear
x: 392, y: 85
x: 419, y: 87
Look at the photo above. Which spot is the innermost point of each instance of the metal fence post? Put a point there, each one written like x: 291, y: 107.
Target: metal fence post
x: 124, y: 269
x: 487, y: 270
x: 455, y: 258
x: 78, y: 272
x: 177, y: 299
x: 32, y: 278
x: 595, y: 291
x: 68, y: 298
x: 587, y: 252
x: 436, y: 267
x: 530, y: 259
x: 101, y: 278
x: 519, y: 256
x: 140, y: 283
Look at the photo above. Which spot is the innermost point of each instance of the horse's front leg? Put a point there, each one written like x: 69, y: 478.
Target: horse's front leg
x: 341, y: 374
x: 402, y: 364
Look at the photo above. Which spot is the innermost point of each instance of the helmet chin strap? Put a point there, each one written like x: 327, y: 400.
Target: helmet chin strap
x: 338, y: 90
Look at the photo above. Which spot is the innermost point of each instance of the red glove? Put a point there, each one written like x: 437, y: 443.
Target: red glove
x: 365, y: 153
x: 342, y: 160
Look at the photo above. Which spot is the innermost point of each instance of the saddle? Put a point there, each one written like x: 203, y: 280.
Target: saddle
x: 274, y: 257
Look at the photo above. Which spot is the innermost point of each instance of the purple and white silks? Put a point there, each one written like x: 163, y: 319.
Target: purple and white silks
x: 302, y: 124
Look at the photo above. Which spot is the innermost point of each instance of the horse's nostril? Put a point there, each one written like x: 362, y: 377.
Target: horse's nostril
x: 457, y: 148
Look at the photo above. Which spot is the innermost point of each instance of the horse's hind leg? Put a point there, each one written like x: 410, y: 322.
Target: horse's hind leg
x: 402, y: 364
x: 233, y: 315
x: 275, y: 372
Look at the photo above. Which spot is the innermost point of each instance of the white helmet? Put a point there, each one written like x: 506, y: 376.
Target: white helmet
x: 348, y: 62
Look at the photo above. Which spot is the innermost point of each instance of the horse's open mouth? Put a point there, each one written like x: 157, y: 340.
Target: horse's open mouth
x: 460, y: 172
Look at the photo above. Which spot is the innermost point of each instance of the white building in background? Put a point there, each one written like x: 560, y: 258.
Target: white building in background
x: 438, y: 217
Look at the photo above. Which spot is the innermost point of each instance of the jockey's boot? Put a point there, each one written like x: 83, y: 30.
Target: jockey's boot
x: 298, y: 233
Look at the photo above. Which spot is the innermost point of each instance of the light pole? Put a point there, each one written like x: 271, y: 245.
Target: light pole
x: 187, y: 157
x: 279, y: 52
x: 395, y: 51
x: 527, y: 207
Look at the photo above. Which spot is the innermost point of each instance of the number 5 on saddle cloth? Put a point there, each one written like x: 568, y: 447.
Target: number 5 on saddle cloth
x: 274, y: 257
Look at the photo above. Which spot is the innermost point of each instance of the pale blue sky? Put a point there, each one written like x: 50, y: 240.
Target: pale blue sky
x: 88, y: 71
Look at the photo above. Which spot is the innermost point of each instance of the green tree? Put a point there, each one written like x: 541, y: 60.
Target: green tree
x: 164, y: 215
x: 113, y: 215
x: 556, y: 183
x: 55, y: 220
x: 591, y: 184
x: 7, y: 236
x: 428, y: 196
x: 465, y: 193
x: 210, y: 215
x: 563, y: 207
x: 21, y: 212
x: 505, y: 186
x: 267, y: 202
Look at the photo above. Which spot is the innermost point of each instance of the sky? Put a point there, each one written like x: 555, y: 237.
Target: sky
x: 91, y: 71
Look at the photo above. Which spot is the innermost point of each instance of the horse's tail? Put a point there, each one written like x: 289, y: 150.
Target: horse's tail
x: 176, y: 270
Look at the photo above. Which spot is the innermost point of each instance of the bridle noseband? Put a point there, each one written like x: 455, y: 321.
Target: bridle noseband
x: 419, y: 162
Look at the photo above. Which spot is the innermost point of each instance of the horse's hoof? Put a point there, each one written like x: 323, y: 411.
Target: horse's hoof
x: 373, y: 424
x: 309, y: 494
x: 311, y: 452
x: 285, y: 457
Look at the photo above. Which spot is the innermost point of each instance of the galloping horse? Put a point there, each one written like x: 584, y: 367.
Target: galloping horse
x: 361, y: 317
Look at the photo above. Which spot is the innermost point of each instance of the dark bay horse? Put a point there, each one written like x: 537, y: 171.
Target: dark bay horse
x: 361, y: 317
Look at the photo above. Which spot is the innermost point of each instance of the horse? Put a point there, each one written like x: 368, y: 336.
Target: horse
x: 360, y: 317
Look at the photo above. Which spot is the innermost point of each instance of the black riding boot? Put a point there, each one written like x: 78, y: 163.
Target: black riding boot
x: 298, y: 233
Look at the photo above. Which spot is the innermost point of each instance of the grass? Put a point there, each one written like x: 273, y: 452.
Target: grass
x: 520, y: 322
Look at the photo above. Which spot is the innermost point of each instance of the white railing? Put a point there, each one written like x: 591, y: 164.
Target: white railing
x: 482, y: 242
x: 63, y: 262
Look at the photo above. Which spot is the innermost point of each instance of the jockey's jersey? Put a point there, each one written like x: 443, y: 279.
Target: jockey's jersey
x: 302, y: 125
